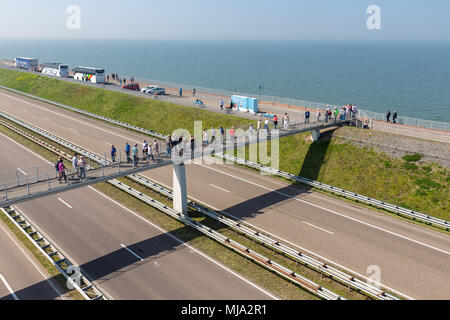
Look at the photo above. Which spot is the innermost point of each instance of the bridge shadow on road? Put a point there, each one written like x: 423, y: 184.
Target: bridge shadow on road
x: 120, y: 261
x: 312, y: 165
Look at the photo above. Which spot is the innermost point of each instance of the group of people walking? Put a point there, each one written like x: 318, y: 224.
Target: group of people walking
x: 150, y: 151
x: 394, y: 116
x: 79, y: 165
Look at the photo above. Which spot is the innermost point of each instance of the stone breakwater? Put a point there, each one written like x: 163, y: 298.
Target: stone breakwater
x: 396, y: 145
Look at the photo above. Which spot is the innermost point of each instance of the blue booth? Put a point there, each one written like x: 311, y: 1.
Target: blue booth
x: 245, y: 104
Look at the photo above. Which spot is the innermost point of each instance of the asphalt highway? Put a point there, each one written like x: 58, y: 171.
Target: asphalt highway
x: 125, y: 256
x: 411, y: 259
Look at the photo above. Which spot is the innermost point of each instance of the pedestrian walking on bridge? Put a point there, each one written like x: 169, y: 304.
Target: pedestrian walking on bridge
x: 61, y: 170
x: 388, y: 116
x: 156, y: 148
x: 307, y: 115
x: 135, y: 153
x: 113, y: 154
x: 128, y: 153
x: 75, y: 165
x: 169, y: 146
x: 82, y: 166
x: 394, y: 117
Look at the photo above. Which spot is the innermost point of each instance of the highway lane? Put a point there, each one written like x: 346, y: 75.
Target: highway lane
x: 21, y: 277
x: 105, y: 239
x: 352, y: 236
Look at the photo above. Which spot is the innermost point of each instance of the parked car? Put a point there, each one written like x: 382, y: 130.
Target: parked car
x: 144, y: 90
x: 132, y: 86
x: 154, y: 90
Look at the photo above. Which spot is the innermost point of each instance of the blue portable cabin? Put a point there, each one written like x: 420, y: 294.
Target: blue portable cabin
x: 245, y: 104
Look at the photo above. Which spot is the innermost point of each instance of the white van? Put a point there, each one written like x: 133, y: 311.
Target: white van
x: 93, y: 75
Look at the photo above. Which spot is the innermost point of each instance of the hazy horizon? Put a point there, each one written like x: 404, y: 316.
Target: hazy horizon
x: 233, y: 20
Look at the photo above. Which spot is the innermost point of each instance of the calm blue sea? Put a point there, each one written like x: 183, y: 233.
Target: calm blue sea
x: 413, y: 78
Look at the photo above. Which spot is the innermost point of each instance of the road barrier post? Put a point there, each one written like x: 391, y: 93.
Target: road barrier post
x: 6, y: 192
x: 17, y: 177
x: 48, y: 182
x: 28, y: 188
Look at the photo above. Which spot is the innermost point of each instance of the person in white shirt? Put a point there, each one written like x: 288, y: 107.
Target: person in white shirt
x: 75, y: 165
x: 251, y: 130
x: 145, y: 149
x: 258, y: 126
x: 205, y: 138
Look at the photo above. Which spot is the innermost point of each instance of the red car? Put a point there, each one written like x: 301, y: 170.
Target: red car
x: 132, y: 86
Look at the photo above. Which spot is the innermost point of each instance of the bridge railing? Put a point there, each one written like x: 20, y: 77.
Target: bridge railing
x: 418, y: 128
x: 422, y: 123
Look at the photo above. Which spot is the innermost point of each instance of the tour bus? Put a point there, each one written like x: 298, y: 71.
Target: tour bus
x: 26, y: 63
x: 55, y: 69
x: 93, y: 75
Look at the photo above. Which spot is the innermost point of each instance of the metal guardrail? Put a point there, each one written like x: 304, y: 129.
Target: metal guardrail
x: 45, y: 247
x: 241, y: 227
x: 248, y: 253
x: 347, y: 194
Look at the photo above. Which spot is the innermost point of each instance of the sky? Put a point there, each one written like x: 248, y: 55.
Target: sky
x: 318, y: 20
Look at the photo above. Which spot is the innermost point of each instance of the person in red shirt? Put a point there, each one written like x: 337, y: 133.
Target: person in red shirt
x: 275, y: 122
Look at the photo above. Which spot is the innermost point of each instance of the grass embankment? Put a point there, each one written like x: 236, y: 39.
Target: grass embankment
x: 162, y: 117
x: 264, y: 278
x: 410, y: 183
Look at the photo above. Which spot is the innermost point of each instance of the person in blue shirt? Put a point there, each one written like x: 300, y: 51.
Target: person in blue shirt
x: 181, y: 92
x: 307, y: 114
x: 113, y: 154
x: 128, y: 153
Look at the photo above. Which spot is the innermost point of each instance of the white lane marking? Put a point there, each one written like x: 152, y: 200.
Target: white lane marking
x: 33, y: 263
x: 186, y: 245
x: 219, y: 188
x: 331, y: 211
x: 46, y: 118
x: 22, y: 171
x: 8, y: 287
x: 295, y: 245
x: 130, y: 251
x: 310, y: 224
x: 65, y: 203
x: 71, y: 129
x: 67, y: 117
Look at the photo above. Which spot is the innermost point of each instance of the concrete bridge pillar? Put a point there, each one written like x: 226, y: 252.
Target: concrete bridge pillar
x: 179, y: 189
x: 315, y: 134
